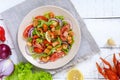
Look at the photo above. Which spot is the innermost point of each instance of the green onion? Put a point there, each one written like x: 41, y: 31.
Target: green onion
x: 60, y: 41
x: 47, y: 44
x: 43, y: 55
x: 52, y: 51
x: 34, y: 31
x: 39, y: 55
x: 65, y: 50
x: 64, y: 23
x: 57, y: 27
x: 29, y: 39
x: 59, y: 17
x: 47, y: 15
x: 38, y: 40
x: 40, y: 23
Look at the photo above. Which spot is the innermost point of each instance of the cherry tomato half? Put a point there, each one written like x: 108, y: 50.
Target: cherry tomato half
x: 41, y: 18
x: 25, y: 33
x: 38, y: 50
x: 46, y: 42
x: 56, y: 56
x: 63, y: 29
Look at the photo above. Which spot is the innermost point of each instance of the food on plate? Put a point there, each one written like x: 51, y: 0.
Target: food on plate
x: 74, y: 74
x: 24, y: 71
x: 110, y: 42
x: 5, y: 51
x: 49, y: 37
x: 6, y: 68
x: 2, y: 34
x: 108, y: 71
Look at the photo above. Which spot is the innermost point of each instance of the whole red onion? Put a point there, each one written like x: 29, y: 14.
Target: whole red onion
x: 5, y: 51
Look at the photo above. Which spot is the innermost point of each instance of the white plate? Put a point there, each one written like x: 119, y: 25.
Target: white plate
x: 58, y: 11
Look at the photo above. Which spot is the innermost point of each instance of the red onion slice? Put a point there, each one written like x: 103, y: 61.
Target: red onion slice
x: 57, y: 20
x: 6, y: 67
x: 60, y: 22
x: 30, y: 32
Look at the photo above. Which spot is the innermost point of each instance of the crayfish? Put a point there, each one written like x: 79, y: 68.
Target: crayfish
x: 110, y: 72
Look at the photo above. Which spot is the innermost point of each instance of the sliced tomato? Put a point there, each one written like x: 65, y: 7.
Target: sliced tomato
x: 25, y: 33
x: 52, y: 26
x: 63, y: 38
x: 33, y: 41
x: 64, y: 29
x: 60, y: 54
x: 38, y: 50
x: 56, y: 56
x: 46, y: 42
x: 38, y: 45
x: 35, y: 36
x: 41, y: 18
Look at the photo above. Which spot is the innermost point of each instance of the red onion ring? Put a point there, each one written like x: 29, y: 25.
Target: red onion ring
x: 6, y: 67
x: 57, y: 20
x: 30, y: 32
x: 60, y: 22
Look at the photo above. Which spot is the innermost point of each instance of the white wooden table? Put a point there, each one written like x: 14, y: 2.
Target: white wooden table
x: 102, y: 18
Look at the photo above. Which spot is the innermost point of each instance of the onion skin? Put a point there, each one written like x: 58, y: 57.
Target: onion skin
x: 6, y: 67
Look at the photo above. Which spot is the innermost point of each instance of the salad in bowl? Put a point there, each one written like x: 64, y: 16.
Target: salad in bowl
x: 49, y: 37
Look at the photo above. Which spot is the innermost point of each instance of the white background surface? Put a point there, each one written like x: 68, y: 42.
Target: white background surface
x: 97, y: 8
x: 101, y: 29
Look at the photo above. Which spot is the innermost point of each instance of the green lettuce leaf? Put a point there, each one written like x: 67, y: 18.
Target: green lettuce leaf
x: 23, y: 71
